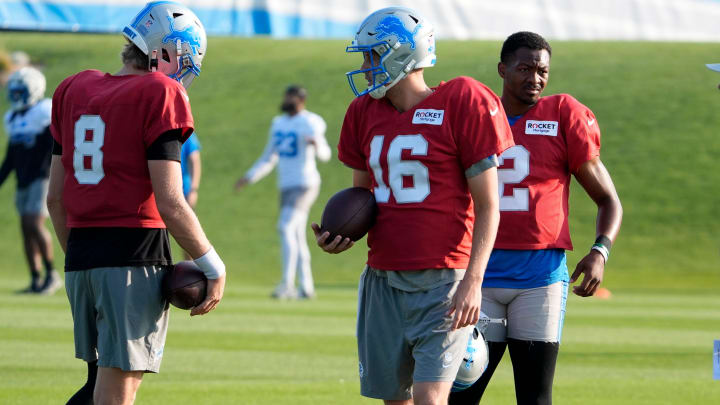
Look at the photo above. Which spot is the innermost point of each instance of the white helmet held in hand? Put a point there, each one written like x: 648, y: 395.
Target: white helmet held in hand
x: 401, y: 38
x: 475, y: 361
x: 26, y: 86
x: 172, y: 37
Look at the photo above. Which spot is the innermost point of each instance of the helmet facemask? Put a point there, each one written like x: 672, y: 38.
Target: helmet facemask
x: 397, y: 40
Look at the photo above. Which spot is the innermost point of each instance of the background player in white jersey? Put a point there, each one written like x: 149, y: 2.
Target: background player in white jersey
x: 527, y: 277
x: 27, y: 125
x: 429, y: 156
x: 297, y: 137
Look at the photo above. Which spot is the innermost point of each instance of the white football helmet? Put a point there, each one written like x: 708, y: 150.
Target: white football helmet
x: 172, y: 37
x: 402, y: 38
x: 474, y: 363
x: 26, y: 86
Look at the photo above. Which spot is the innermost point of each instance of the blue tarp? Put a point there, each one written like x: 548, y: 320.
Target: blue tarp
x: 93, y: 17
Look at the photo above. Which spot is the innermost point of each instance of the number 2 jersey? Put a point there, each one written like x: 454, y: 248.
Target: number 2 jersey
x: 552, y: 140
x: 105, y: 124
x: 419, y: 161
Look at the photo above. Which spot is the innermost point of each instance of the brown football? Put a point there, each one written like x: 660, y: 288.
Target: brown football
x: 350, y: 213
x: 185, y: 285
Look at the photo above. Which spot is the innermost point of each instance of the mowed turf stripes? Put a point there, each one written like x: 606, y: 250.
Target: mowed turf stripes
x: 305, y: 355
x: 657, y: 107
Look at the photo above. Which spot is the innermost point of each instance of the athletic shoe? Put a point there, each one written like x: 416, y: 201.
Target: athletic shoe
x: 283, y: 292
x: 52, y: 283
x: 34, y: 287
x: 307, y: 295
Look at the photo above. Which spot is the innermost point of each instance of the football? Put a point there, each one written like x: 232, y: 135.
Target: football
x: 350, y: 213
x: 185, y: 285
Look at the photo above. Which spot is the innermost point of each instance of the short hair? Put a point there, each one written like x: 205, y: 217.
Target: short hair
x: 296, y: 90
x: 523, y: 39
x: 132, y: 55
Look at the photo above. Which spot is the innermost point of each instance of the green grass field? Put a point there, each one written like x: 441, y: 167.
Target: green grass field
x: 650, y: 344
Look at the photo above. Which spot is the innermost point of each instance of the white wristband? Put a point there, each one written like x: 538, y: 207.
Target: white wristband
x: 211, y: 264
x: 602, y: 250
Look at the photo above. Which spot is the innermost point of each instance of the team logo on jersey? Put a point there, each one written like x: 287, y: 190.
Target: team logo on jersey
x: 547, y: 128
x: 428, y: 116
x: 392, y: 25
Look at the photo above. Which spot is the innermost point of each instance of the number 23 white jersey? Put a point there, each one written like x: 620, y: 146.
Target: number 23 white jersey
x: 293, y: 144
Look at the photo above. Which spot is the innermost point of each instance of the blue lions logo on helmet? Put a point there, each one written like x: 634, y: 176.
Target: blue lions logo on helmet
x: 392, y: 25
x: 190, y: 34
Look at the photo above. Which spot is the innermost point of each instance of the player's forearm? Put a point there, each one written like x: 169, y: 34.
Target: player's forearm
x: 487, y: 218
x: 5, y: 170
x: 59, y: 220
x: 486, y: 204
x: 183, y: 225
x: 322, y: 149
x: 609, y: 217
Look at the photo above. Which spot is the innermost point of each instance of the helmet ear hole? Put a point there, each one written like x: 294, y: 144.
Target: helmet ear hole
x: 165, y: 55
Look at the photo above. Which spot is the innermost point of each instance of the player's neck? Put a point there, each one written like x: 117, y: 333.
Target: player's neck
x: 130, y: 70
x: 513, y: 106
x: 409, y: 92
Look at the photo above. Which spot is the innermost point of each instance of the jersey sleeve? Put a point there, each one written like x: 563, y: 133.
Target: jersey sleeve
x: 322, y: 149
x: 44, y: 113
x: 169, y: 108
x: 349, y: 150
x: 581, y: 131
x: 480, y: 126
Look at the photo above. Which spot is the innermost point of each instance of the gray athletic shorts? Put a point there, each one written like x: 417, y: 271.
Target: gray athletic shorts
x: 403, y: 332
x: 119, y: 316
x: 31, y: 200
x: 532, y: 313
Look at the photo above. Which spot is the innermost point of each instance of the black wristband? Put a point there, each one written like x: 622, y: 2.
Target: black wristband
x: 605, y: 241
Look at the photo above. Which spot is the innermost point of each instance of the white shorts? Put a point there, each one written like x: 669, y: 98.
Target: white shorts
x: 535, y: 314
x: 30, y: 200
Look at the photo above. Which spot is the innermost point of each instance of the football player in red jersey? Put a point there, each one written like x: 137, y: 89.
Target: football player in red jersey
x: 116, y: 191
x: 429, y: 156
x: 527, y: 278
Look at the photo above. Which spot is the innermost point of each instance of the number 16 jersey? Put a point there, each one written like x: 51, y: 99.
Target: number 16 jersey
x: 417, y: 161
x: 105, y: 124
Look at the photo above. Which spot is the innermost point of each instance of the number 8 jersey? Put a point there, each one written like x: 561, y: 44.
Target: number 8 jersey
x: 419, y: 161
x: 105, y: 124
x: 552, y: 140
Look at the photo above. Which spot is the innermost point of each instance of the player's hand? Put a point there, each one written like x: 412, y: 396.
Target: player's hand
x: 334, y: 246
x: 215, y: 289
x: 242, y: 182
x: 310, y: 140
x: 592, y: 267
x: 465, y: 307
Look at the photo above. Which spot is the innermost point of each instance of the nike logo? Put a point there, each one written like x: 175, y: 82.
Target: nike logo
x: 495, y: 111
x: 590, y: 122
x: 447, y: 360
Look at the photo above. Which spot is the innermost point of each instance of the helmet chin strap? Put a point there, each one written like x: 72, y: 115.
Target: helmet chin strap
x: 380, y: 91
x: 154, y: 61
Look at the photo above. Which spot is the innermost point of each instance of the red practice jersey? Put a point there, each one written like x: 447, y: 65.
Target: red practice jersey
x: 104, y: 124
x: 417, y: 161
x: 552, y: 140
